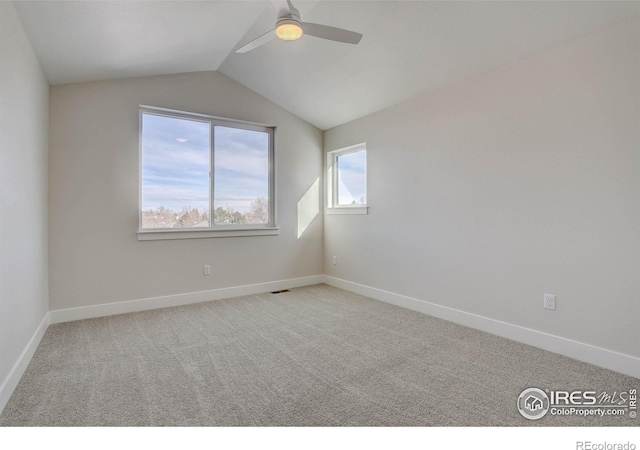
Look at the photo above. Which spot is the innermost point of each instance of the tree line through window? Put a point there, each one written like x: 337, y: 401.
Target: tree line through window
x: 347, y: 182
x: 199, y: 172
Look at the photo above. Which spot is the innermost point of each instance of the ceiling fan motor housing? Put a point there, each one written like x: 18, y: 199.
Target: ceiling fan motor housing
x: 289, y: 29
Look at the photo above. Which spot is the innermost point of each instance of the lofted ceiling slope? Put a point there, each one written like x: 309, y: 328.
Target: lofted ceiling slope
x: 408, y: 47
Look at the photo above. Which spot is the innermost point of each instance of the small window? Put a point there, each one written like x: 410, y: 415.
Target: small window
x: 201, y: 174
x: 347, y: 183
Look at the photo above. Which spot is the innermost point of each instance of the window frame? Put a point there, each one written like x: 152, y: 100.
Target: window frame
x: 332, y: 181
x: 214, y: 230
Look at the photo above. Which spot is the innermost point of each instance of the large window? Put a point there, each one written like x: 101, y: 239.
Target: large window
x: 347, y: 180
x: 204, y: 175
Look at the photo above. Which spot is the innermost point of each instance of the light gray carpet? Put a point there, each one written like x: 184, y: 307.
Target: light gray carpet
x: 313, y: 356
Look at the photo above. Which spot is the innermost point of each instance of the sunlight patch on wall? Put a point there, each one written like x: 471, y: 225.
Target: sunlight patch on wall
x: 308, y: 207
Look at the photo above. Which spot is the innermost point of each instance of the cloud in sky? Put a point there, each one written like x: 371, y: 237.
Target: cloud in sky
x: 352, y: 177
x: 175, y: 174
x: 241, y: 166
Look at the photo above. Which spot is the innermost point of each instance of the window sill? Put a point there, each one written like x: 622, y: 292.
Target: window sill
x: 157, y: 235
x: 349, y: 210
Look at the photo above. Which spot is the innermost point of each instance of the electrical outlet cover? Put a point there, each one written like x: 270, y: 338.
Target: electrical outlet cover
x: 550, y: 302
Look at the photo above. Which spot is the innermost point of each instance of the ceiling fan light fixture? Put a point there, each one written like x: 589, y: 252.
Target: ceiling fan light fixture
x: 289, y: 30
x: 289, y: 27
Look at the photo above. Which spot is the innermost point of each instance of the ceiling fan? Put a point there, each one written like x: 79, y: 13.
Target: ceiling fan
x: 289, y: 27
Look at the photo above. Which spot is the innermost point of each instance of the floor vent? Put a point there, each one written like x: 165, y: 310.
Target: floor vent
x: 279, y: 292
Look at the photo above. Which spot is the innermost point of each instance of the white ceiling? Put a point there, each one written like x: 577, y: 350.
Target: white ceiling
x: 407, y: 48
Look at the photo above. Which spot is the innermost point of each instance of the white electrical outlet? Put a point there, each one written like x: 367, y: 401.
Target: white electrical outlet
x: 550, y: 302
x: 206, y: 270
x: 335, y: 260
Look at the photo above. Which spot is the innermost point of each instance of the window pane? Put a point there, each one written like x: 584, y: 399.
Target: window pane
x: 352, y: 178
x: 175, y: 172
x: 241, y: 179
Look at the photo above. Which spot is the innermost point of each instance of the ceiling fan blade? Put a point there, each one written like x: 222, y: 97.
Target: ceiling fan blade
x: 293, y: 10
x: 331, y: 33
x: 257, y: 42
x: 285, y: 9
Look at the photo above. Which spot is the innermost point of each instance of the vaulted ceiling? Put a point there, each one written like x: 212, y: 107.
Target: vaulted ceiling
x: 408, y: 47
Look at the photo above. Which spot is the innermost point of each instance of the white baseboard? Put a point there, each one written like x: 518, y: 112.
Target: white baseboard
x: 608, y: 359
x: 9, y: 384
x: 110, y: 309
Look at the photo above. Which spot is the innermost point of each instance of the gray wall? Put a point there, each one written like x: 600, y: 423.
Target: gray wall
x: 24, y: 95
x: 95, y: 256
x: 488, y: 193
